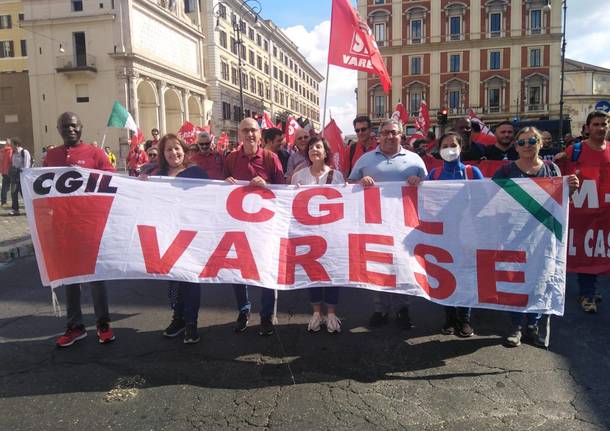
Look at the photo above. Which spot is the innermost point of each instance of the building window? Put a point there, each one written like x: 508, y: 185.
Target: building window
x: 495, y: 24
x: 189, y: 6
x: 251, y: 34
x: 455, y: 97
x: 24, y: 48
x: 222, y: 11
x: 226, y: 111
x: 494, y: 60
x: 233, y: 46
x: 379, y: 106
x: 493, y: 97
x: 266, y: 69
x: 244, y: 80
x: 253, y: 84
x: 275, y: 72
x: 415, y: 98
x: 281, y: 75
x: 259, y: 62
x: 275, y: 52
x: 416, y: 31
x: 536, y: 21
x: 234, y: 76
x: 224, y: 70
x: 243, y: 27
x: 379, y: 30
x: 80, y: 48
x: 535, y: 57
x: 251, y: 57
x: 242, y: 51
x: 223, y: 39
x: 455, y: 28
x: 260, y: 88
x: 454, y: 63
x: 266, y: 45
x: 6, y: 49
x: 236, y: 112
x: 379, y: 1
x: 534, y: 98
x: 259, y: 40
x: 415, y: 65
x: 5, y: 22
x: 21, y: 17
x: 77, y: 5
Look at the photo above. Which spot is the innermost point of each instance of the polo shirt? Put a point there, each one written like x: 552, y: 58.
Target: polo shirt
x: 82, y: 155
x: 247, y: 167
x: 212, y: 164
x: 382, y: 168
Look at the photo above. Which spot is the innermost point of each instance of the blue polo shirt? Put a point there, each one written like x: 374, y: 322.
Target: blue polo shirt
x: 382, y: 168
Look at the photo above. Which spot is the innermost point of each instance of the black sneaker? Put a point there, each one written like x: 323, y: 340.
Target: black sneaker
x: 466, y: 330
x: 266, y: 326
x: 531, y: 333
x: 402, y: 319
x: 379, y: 319
x: 242, y: 322
x: 449, y: 328
x: 191, y: 336
x: 175, y: 328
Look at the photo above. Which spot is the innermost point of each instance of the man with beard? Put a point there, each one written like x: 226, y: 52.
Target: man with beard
x: 471, y: 151
x: 503, y: 149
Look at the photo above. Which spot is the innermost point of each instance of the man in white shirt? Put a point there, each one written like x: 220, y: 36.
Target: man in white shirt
x: 21, y: 159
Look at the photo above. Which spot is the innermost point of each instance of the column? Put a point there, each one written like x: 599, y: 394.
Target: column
x: 133, y: 96
x: 161, y: 106
x: 185, y: 102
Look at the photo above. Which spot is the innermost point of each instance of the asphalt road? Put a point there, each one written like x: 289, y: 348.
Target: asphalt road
x: 360, y: 379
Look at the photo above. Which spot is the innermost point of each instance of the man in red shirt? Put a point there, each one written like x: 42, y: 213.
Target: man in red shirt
x: 366, y: 141
x: 75, y: 152
x: 261, y: 167
x: 591, y: 152
x: 6, y: 155
x: 207, y: 158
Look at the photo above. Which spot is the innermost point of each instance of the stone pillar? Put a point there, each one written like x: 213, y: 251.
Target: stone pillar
x: 161, y: 106
x: 185, y: 102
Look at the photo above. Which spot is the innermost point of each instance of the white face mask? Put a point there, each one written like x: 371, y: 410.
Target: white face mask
x: 450, y: 154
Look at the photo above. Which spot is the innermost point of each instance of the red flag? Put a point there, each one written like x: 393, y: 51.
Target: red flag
x: 422, y: 122
x: 352, y: 44
x: 188, y: 133
x: 266, y: 122
x: 400, y: 114
x: 136, y: 139
x: 332, y: 133
x: 291, y: 128
x: 223, y: 141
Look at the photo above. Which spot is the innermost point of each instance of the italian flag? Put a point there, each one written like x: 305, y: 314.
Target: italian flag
x: 122, y: 119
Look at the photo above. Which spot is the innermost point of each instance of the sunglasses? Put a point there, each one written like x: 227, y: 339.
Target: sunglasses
x: 532, y: 141
x: 390, y: 132
x: 362, y: 129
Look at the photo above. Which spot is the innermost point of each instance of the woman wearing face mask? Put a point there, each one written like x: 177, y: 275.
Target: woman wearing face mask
x: 184, y: 297
x: 528, y: 143
x: 319, y: 172
x: 450, y: 147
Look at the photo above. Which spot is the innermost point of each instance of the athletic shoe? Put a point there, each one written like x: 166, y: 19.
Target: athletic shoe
x: 466, y: 330
x: 104, y: 333
x: 531, y: 333
x: 71, y: 336
x: 15, y: 213
x: 544, y: 332
x: 449, y: 328
x: 588, y: 305
x: 191, y: 336
x: 175, y: 328
x: 402, y: 319
x: 333, y: 324
x: 514, y: 338
x: 379, y: 319
x: 266, y: 327
x: 242, y: 322
x: 315, y: 322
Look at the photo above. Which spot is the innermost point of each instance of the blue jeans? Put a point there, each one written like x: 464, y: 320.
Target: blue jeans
x: 185, y: 299
x: 243, y: 301
x: 586, y: 285
x: 531, y: 319
x: 461, y: 314
x: 328, y: 294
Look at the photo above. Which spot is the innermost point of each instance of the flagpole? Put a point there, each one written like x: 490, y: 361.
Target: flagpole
x: 104, y: 138
x: 325, y: 99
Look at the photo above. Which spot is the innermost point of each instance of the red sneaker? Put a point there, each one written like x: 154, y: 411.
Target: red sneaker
x: 104, y: 334
x: 71, y: 336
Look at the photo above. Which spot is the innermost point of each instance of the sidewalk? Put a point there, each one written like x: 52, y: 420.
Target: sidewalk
x: 15, y: 240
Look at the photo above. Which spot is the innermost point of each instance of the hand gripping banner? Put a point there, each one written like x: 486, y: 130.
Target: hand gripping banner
x: 489, y: 244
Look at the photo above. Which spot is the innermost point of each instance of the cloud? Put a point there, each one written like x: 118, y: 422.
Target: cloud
x: 341, y: 96
x: 586, y: 35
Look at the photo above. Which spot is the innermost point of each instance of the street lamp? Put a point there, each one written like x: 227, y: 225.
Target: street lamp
x: 252, y: 7
x: 547, y: 8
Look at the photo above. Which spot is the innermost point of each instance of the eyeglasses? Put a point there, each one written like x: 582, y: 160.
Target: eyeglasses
x: 532, y: 141
x: 152, y: 155
x: 362, y: 129
x: 249, y: 130
x: 390, y: 132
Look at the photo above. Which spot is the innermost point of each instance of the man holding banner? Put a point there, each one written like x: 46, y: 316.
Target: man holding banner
x: 259, y: 166
x: 389, y: 162
x: 74, y: 152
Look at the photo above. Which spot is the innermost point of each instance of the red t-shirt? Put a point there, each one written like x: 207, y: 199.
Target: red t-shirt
x: 358, y: 152
x: 247, y: 167
x: 82, y: 155
x: 587, y: 157
x: 212, y: 164
x: 6, y: 155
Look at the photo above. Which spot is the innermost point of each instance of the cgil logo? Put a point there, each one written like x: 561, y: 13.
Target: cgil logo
x: 71, y: 181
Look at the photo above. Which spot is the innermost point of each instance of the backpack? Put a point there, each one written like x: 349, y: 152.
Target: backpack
x: 576, y: 150
x: 268, y: 162
x: 436, y: 172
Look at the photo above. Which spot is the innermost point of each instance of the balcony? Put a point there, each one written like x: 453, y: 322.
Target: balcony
x: 73, y: 64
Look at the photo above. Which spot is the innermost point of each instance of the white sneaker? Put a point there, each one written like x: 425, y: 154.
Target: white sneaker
x: 315, y: 322
x: 333, y: 324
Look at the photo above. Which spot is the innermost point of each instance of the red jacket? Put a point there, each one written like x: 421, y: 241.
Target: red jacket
x: 6, y: 154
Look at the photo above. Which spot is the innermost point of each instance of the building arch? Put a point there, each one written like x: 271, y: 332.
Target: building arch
x: 195, y: 110
x: 174, y: 114
x: 148, y: 106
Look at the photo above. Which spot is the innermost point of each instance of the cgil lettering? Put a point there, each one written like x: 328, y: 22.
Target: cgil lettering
x: 71, y: 181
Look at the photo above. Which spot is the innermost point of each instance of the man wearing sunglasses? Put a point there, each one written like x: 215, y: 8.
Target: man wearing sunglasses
x: 366, y: 141
x: 503, y: 149
x: 389, y: 162
x: 207, y: 159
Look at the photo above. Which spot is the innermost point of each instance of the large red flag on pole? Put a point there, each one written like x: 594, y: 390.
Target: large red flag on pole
x: 400, y: 114
x: 352, y: 44
x: 332, y: 133
x: 422, y: 122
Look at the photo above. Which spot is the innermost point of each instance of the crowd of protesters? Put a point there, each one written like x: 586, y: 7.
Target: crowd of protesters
x: 262, y: 157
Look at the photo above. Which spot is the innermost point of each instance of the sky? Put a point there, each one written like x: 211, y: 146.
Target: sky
x: 587, y: 40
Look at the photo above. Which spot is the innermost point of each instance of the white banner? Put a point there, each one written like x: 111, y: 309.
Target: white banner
x: 499, y: 245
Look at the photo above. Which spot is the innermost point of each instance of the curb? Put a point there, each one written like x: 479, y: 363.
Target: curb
x: 19, y: 249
